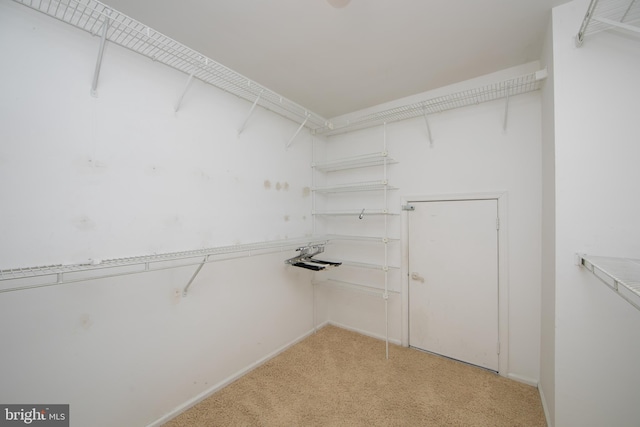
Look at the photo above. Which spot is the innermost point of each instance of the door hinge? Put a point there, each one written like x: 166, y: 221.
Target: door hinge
x: 497, y: 223
x: 408, y: 208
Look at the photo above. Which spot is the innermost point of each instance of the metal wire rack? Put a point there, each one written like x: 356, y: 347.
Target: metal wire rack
x: 366, y: 288
x: 622, y: 275
x: 50, y: 275
x: 92, y: 16
x: 606, y: 14
x: 361, y: 161
x: 504, y: 89
x: 359, y: 186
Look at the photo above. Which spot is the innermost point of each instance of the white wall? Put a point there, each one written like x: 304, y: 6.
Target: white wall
x: 597, y: 379
x: 123, y: 175
x: 548, y: 294
x: 471, y: 153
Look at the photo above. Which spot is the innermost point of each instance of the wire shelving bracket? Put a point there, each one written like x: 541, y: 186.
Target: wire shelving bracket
x: 91, y: 16
x: 622, y: 275
x: 606, y: 14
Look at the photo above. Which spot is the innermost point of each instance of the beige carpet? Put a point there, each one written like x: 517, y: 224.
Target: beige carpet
x: 340, y: 378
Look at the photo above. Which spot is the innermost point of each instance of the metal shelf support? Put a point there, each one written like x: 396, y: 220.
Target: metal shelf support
x: 103, y: 42
x: 506, y: 110
x: 193, y: 277
x: 298, y: 131
x: 250, y: 113
x: 426, y: 121
x: 184, y: 91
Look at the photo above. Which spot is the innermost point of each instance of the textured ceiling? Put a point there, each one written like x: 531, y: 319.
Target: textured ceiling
x: 338, y: 60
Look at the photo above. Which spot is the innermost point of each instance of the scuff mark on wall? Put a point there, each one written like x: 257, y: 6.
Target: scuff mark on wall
x: 89, y: 165
x: 153, y: 170
x: 267, y: 184
x: 278, y: 186
x: 285, y: 186
x: 286, y: 218
x: 306, y: 192
x: 83, y: 223
x: 85, y: 321
x: 173, y: 222
x: 202, y: 175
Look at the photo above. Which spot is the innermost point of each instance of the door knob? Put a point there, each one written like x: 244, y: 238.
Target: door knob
x: 416, y: 276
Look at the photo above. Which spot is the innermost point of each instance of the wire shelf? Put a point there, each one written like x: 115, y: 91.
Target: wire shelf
x: 515, y: 86
x: 90, y: 16
x: 370, y: 239
x: 355, y: 213
x: 59, y: 274
x: 620, y: 274
x: 365, y: 265
x: 374, y: 290
x: 606, y: 14
x: 362, y: 161
x: 358, y: 186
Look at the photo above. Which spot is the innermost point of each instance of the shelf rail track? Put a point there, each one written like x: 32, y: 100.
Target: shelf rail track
x: 115, y: 27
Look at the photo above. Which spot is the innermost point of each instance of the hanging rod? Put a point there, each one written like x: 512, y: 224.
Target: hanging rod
x: 606, y: 14
x: 50, y: 275
x: 89, y: 15
x: 514, y: 86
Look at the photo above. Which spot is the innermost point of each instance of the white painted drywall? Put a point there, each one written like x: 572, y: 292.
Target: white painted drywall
x: 123, y: 175
x: 597, y: 336
x: 548, y: 290
x: 471, y: 153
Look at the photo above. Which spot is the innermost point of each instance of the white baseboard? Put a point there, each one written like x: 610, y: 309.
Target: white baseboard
x: 200, y: 397
x: 524, y: 380
x: 362, y: 332
x: 322, y: 325
x: 545, y: 407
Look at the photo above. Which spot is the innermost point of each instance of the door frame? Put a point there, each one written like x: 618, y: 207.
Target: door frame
x: 503, y: 268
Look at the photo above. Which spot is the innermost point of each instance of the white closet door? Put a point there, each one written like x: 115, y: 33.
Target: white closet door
x: 453, y: 284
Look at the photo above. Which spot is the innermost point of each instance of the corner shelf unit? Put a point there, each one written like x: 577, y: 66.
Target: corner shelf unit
x: 607, y: 14
x: 356, y: 190
x: 622, y: 275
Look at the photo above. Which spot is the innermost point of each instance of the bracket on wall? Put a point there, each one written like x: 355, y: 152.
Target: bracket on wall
x: 193, y: 277
x: 103, y: 42
x: 426, y: 121
x: 506, y: 108
x: 250, y: 112
x: 299, y: 129
x: 184, y: 92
